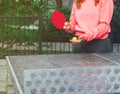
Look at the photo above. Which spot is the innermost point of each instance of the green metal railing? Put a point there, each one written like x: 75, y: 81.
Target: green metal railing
x: 29, y: 35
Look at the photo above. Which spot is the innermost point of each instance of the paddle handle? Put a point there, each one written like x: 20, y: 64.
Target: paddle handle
x: 70, y: 30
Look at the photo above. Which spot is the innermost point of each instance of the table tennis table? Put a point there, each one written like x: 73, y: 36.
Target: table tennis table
x: 65, y: 73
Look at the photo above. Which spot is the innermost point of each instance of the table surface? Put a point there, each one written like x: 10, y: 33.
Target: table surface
x: 18, y: 64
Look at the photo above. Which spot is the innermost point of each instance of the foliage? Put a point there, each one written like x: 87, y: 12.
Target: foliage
x: 51, y: 33
x: 23, y: 8
x: 19, y: 9
x: 116, y: 24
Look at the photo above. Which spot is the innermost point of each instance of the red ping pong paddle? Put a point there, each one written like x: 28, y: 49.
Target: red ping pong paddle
x: 58, y: 19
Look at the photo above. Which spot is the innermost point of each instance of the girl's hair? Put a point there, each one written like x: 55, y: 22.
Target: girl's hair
x: 79, y: 2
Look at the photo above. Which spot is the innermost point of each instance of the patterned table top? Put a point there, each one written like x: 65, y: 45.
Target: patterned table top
x: 18, y: 64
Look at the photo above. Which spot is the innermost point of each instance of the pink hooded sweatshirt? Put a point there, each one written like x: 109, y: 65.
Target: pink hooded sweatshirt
x: 92, y: 21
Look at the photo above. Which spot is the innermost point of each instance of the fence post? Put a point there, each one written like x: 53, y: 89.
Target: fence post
x: 40, y: 35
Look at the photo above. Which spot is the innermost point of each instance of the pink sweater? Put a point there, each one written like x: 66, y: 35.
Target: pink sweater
x: 92, y: 21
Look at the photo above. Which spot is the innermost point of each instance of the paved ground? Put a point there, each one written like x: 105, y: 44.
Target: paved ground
x: 6, y: 86
x: 5, y: 81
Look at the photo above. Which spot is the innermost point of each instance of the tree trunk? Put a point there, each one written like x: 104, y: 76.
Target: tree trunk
x: 59, y: 3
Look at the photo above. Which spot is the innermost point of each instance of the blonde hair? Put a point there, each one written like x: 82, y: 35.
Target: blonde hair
x: 79, y: 3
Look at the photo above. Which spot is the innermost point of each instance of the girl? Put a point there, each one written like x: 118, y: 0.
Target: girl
x: 90, y: 21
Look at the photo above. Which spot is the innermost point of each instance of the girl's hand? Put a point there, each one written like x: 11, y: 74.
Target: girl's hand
x: 77, y: 41
x: 66, y: 26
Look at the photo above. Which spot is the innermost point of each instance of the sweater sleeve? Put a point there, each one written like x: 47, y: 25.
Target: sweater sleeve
x: 103, y: 27
x: 72, y: 20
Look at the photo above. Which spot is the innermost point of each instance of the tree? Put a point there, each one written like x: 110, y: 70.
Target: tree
x: 59, y: 3
x: 23, y: 7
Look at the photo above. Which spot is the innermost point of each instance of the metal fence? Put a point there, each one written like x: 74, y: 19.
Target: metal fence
x: 30, y: 35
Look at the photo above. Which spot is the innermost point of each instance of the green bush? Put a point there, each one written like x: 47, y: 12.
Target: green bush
x: 51, y: 33
x: 116, y: 25
x: 32, y: 8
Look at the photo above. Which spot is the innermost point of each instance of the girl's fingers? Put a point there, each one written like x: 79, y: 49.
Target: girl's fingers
x: 76, y: 41
x: 81, y: 37
x: 66, y: 25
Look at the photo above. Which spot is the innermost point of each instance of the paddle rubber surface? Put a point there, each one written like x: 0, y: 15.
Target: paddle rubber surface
x: 58, y: 19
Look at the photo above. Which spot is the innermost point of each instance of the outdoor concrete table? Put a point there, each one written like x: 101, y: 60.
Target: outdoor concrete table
x: 18, y: 64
